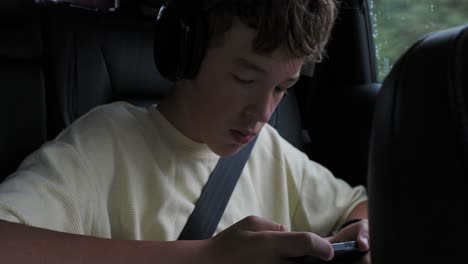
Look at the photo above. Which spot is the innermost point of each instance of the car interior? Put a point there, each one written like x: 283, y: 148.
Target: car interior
x: 60, y: 59
x: 71, y: 59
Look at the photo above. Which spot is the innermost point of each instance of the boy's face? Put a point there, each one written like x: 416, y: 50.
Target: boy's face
x: 236, y: 91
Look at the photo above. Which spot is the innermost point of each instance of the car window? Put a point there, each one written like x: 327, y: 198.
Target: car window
x: 399, y: 23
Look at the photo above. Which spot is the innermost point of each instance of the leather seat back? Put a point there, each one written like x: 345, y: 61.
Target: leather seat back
x: 418, y: 168
x: 95, y: 58
x: 22, y: 102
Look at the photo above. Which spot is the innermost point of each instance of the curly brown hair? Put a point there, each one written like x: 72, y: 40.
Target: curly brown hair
x: 302, y: 26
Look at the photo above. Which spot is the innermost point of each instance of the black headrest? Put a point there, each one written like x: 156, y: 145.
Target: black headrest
x: 418, y: 163
x: 20, y: 30
x: 15, y: 6
x: 95, y: 58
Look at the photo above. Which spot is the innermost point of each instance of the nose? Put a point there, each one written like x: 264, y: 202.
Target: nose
x: 261, y: 107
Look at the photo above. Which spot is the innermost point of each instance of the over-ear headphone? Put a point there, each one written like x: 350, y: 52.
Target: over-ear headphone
x: 180, y: 39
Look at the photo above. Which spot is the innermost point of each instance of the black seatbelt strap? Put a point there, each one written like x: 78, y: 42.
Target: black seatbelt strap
x: 215, y: 195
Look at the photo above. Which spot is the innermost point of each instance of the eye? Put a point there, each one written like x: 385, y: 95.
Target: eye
x: 241, y: 80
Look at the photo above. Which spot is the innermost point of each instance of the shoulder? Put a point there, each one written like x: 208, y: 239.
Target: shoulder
x: 270, y: 141
x: 109, y: 119
x: 272, y: 147
x: 116, y: 111
x: 110, y: 134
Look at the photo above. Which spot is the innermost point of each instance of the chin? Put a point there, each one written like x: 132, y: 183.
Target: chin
x: 227, y: 150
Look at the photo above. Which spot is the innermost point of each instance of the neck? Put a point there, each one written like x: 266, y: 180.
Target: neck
x: 176, y: 109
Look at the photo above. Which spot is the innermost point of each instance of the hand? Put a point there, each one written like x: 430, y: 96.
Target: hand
x: 257, y: 240
x: 358, y: 231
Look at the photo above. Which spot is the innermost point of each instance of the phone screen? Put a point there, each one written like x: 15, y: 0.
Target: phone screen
x: 343, y: 247
x: 343, y: 251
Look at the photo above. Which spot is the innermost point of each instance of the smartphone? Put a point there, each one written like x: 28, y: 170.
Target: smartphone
x: 346, y: 252
x: 344, y: 247
x: 342, y: 251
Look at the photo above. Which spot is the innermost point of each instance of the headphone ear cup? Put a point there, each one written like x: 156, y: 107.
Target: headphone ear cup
x: 180, y: 43
x: 167, y: 39
x: 197, y: 46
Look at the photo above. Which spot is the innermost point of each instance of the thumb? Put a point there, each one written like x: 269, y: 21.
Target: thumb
x: 294, y: 244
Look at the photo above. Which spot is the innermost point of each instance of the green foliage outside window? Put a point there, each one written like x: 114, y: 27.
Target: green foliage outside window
x: 399, y: 23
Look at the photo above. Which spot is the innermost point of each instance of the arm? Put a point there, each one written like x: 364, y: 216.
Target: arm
x: 251, y: 240
x: 359, y: 211
x: 24, y: 244
x: 356, y: 230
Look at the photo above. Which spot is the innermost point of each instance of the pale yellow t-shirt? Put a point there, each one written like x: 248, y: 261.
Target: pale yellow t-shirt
x: 126, y: 173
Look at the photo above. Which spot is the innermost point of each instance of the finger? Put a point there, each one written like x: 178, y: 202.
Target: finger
x: 257, y: 224
x: 358, y: 231
x: 363, y: 242
x: 296, y: 244
x: 363, y: 235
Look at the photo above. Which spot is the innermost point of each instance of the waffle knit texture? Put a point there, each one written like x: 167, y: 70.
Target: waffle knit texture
x: 125, y: 172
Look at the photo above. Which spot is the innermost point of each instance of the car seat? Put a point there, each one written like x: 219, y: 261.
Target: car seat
x: 23, y: 107
x: 418, y: 163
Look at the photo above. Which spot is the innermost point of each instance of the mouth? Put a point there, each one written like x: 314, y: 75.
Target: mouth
x: 242, y: 137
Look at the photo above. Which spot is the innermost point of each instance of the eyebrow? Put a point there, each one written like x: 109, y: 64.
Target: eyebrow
x: 254, y: 67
